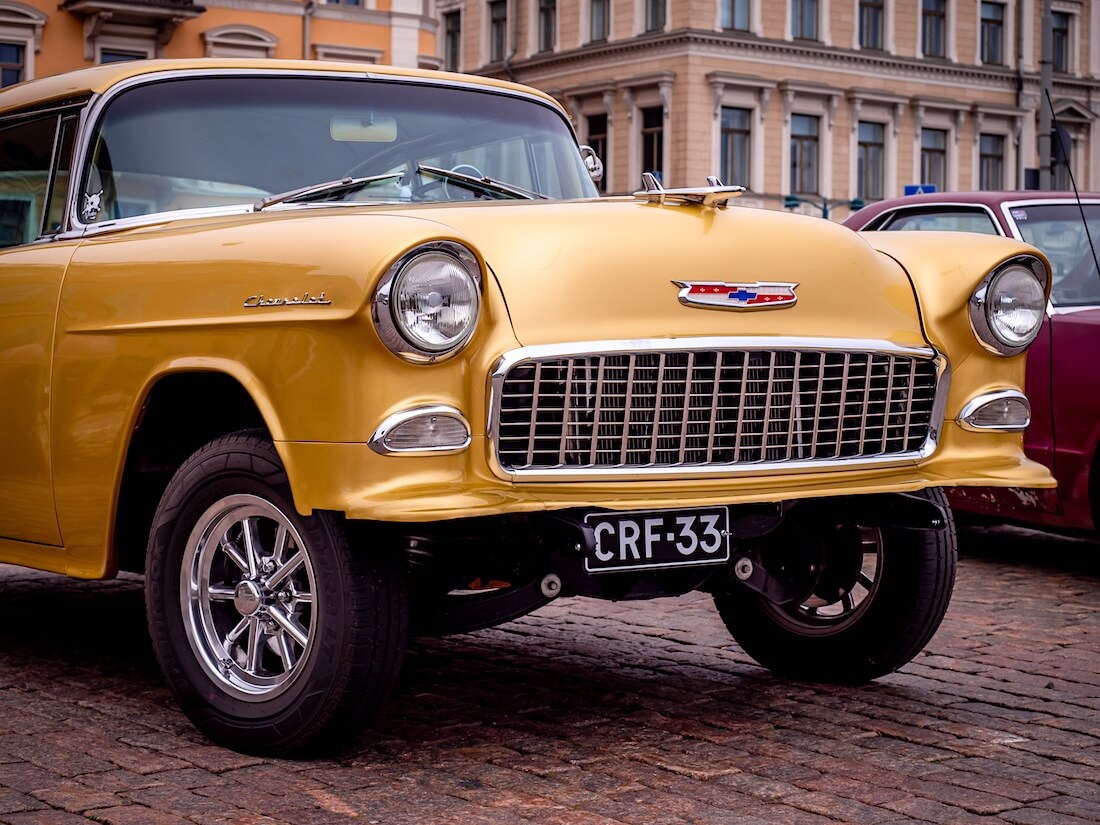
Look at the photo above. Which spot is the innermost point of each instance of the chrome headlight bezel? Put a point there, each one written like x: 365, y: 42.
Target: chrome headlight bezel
x: 389, y: 326
x: 982, y: 305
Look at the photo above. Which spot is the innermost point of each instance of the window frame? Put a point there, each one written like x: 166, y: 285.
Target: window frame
x: 1001, y: 158
x: 988, y: 43
x: 941, y: 153
x: 726, y: 137
x: 796, y: 178
x: 497, y: 31
x: 864, y: 7
x: 452, y: 40
x: 71, y: 114
x: 546, y: 12
x: 939, y: 18
x: 590, y: 35
x: 805, y: 12
x: 863, y: 150
x: 1062, y: 41
x: 728, y: 14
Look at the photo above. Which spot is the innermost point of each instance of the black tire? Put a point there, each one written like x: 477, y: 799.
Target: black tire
x: 898, y: 614
x: 227, y: 551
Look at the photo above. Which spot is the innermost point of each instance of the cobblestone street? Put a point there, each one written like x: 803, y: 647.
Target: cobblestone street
x: 589, y: 713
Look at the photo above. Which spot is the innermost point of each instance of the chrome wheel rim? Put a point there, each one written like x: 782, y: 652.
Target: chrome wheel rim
x: 824, y: 615
x: 248, y: 597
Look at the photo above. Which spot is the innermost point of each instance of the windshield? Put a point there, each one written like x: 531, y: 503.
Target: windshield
x: 216, y: 141
x: 1057, y: 229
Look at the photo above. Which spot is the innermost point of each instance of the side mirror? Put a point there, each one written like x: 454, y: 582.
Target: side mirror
x: 592, y: 163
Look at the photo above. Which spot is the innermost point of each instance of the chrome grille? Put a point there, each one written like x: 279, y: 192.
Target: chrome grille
x: 708, y: 408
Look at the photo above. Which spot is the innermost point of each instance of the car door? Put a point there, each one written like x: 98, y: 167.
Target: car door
x: 35, y: 153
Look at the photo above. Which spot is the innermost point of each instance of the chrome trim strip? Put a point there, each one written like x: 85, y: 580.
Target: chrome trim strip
x: 974, y: 404
x: 96, y: 105
x: 377, y: 440
x: 541, y: 352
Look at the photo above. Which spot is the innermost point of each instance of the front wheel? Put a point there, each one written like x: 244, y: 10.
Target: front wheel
x: 872, y: 598
x: 273, y: 635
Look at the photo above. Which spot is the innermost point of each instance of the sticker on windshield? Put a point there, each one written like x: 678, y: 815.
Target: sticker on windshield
x: 1019, y: 215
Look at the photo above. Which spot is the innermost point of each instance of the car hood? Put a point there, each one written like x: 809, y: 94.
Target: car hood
x: 607, y: 270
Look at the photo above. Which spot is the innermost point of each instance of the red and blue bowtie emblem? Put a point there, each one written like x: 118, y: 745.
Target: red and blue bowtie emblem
x: 722, y: 295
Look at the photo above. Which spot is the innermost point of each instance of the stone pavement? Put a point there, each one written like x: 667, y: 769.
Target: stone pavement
x: 589, y: 713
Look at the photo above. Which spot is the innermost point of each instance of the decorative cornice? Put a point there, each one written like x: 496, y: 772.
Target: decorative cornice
x: 740, y: 45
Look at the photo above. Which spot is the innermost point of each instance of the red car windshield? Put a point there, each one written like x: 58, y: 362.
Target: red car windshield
x: 1057, y: 229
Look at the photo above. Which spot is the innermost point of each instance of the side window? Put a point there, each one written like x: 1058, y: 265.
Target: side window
x: 59, y: 187
x: 941, y: 220
x: 26, y: 154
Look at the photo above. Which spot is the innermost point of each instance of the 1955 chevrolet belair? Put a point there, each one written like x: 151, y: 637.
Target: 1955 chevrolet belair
x: 336, y: 356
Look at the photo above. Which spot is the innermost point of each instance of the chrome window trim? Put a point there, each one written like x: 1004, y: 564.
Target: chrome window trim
x: 974, y: 404
x: 377, y: 440
x: 1008, y: 206
x: 912, y: 207
x: 97, y: 104
x: 1073, y: 310
x: 509, y: 359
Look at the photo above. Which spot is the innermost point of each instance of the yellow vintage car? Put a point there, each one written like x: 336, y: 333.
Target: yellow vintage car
x: 334, y: 356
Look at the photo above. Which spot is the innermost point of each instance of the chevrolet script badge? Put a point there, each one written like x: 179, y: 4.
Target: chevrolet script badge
x: 722, y: 295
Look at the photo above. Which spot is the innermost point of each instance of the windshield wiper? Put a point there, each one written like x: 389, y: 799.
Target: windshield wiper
x: 321, y: 191
x: 485, y: 186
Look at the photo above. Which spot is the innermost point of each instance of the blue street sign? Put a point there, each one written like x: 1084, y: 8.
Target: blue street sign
x: 920, y: 188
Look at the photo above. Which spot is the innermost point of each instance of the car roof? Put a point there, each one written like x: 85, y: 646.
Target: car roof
x: 989, y: 198
x: 84, y: 82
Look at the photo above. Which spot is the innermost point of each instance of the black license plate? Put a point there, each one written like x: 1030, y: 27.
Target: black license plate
x: 644, y: 539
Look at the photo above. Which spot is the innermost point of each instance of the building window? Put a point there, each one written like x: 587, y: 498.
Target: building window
x: 993, y: 33
x: 653, y: 140
x: 343, y: 2
x: 11, y: 63
x: 120, y: 55
x: 1062, y: 23
x: 804, y: 19
x: 991, y: 162
x: 804, y: 153
x: 599, y: 27
x: 871, y: 161
x: 933, y: 158
x: 596, y: 128
x: 654, y: 15
x: 735, y: 15
x: 871, y: 23
x: 498, y: 30
x: 452, y: 41
x: 933, y: 28
x: 239, y: 41
x: 548, y: 24
x: 736, y: 146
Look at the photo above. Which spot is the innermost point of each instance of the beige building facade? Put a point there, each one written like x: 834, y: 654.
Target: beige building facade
x: 829, y: 100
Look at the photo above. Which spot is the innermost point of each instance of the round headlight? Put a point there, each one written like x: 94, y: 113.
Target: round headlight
x: 434, y: 302
x: 1014, y: 305
x: 427, y: 304
x: 1008, y: 307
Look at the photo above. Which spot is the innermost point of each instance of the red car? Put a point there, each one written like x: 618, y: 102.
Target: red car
x: 1063, y: 365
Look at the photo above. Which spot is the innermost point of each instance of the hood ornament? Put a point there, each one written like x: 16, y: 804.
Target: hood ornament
x: 723, y: 295
x: 714, y: 194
